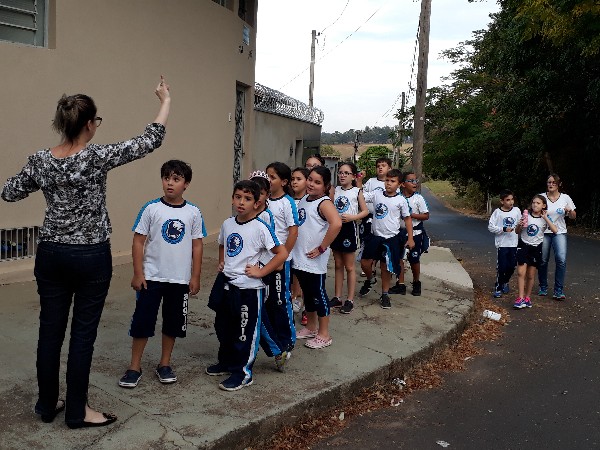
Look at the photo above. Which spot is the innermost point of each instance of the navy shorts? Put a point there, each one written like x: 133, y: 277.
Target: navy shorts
x: 347, y: 239
x: 389, y: 251
x: 529, y: 254
x: 174, y: 309
x: 414, y: 255
x: 313, y: 288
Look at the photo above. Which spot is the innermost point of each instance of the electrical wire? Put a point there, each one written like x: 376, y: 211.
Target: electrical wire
x: 340, y: 43
x: 335, y: 21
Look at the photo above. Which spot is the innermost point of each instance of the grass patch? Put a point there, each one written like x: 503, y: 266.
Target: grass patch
x: 447, y: 194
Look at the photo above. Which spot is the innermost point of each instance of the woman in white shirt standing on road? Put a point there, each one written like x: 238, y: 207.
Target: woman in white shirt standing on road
x: 560, y: 206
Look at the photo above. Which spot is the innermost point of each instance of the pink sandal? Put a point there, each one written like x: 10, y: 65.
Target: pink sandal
x: 318, y: 342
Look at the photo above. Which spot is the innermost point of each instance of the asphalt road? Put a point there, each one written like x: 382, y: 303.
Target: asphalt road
x: 536, y: 388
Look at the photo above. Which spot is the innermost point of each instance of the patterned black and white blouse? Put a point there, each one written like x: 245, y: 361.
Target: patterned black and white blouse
x: 75, y: 186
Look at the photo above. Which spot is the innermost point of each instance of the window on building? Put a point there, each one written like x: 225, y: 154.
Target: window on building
x: 225, y: 3
x: 246, y: 10
x: 23, y: 21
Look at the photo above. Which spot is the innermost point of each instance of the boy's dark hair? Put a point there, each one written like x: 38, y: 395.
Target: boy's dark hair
x: 394, y: 173
x: 383, y: 159
x: 505, y: 193
x: 247, y: 187
x: 407, y: 173
x: 177, y: 167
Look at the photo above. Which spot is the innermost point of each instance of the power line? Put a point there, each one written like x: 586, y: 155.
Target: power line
x: 335, y: 21
x: 340, y: 43
x: 411, y: 90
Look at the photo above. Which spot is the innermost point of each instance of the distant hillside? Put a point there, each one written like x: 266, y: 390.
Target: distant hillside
x: 375, y: 135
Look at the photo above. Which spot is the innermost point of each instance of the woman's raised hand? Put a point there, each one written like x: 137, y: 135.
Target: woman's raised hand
x: 162, y: 90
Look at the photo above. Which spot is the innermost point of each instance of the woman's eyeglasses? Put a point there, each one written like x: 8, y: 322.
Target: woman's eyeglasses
x: 551, y: 182
x: 344, y: 173
x: 98, y: 121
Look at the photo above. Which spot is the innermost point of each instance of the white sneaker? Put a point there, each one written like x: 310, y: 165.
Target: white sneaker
x: 296, y: 305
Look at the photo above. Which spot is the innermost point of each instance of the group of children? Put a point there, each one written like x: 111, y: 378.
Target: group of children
x: 518, y: 239
x: 285, y: 221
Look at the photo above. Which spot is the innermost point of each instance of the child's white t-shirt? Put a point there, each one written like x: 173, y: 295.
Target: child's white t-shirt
x: 311, y: 231
x: 418, y: 205
x: 533, y: 233
x: 245, y: 243
x: 346, y: 200
x: 504, y: 219
x: 285, y: 215
x: 388, y: 213
x: 169, y: 231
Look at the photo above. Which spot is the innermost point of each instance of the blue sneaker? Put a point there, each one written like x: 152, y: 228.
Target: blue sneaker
x: 543, y: 291
x: 519, y: 303
x: 527, y: 302
x: 130, y: 379
x: 505, y: 289
x: 165, y: 374
x: 234, y: 383
x: 559, y: 294
x: 497, y: 294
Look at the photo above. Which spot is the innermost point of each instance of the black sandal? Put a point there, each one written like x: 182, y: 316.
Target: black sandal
x: 110, y: 418
x: 47, y: 418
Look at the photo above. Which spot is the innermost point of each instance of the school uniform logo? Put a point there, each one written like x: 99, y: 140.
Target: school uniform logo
x: 381, y: 210
x: 235, y: 244
x: 301, y: 216
x: 173, y: 231
x: 346, y: 243
x: 560, y: 211
x: 342, y: 204
x: 532, y: 229
x: 508, y: 222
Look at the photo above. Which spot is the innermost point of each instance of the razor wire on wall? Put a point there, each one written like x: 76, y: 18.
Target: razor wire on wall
x: 275, y: 102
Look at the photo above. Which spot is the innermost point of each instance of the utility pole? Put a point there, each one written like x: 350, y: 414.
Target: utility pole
x: 400, y: 131
x: 356, y: 138
x: 419, y: 125
x: 311, y: 86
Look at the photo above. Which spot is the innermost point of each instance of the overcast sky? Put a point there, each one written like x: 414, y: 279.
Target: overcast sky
x: 357, y: 78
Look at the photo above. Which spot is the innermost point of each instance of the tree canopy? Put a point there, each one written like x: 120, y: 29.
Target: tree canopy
x: 525, y: 102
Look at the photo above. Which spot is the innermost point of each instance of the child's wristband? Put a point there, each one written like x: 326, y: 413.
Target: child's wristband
x: 321, y: 249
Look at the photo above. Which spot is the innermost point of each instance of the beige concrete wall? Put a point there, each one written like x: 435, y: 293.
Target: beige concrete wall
x: 274, y: 135
x: 114, y: 51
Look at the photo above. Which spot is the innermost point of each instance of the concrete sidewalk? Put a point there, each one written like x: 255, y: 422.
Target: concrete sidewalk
x: 369, y: 345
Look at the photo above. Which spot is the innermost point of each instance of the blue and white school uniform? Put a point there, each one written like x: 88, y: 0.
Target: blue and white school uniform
x: 388, y: 240
x: 529, y: 250
x: 418, y: 205
x: 311, y: 273
x: 506, y: 243
x: 169, y: 230
x: 237, y: 320
x: 346, y: 202
x: 278, y: 332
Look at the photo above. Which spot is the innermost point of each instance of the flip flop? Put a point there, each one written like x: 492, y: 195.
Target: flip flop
x: 47, y: 418
x: 110, y: 418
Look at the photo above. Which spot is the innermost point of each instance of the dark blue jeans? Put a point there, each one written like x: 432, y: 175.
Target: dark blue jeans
x: 505, y: 266
x: 65, y: 274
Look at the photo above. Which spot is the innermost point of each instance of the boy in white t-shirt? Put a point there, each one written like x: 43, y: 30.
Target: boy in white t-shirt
x: 503, y: 223
x: 167, y: 259
x: 238, y: 293
x: 388, y: 240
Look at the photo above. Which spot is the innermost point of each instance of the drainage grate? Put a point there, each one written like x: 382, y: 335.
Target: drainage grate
x: 18, y: 243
